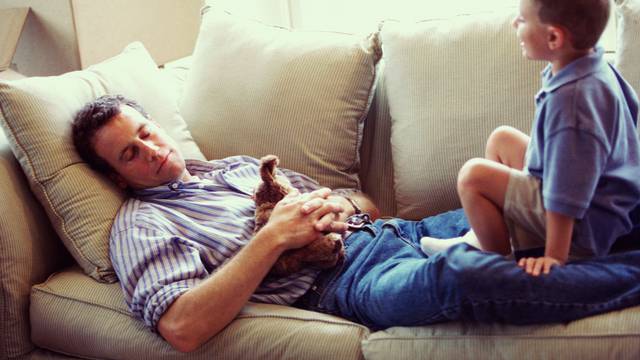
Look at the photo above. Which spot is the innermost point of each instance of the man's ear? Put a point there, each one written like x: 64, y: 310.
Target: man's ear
x: 119, y: 180
x: 557, y: 37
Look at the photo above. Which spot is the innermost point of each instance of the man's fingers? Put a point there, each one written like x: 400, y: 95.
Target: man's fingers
x: 311, y: 206
x: 325, y: 222
x: 317, y: 203
x: 547, y: 267
x: 322, y: 193
x: 327, y: 214
x: 338, y: 227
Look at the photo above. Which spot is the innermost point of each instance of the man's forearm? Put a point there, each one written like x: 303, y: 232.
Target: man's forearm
x: 559, y: 232
x: 203, y: 311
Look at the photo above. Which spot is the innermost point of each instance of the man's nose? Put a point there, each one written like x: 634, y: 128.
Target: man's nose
x: 150, y: 149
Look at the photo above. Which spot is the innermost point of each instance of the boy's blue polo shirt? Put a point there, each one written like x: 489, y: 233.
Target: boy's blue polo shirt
x: 584, y: 147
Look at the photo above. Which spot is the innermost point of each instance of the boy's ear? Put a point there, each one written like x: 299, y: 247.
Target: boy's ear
x: 556, y: 37
x: 119, y: 180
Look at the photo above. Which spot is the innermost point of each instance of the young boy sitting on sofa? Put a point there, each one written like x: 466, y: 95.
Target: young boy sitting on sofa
x: 575, y: 181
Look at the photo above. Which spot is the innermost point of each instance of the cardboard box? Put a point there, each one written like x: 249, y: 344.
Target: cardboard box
x: 65, y: 35
x: 11, y: 24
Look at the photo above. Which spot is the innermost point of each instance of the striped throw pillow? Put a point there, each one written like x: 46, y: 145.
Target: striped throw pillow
x: 256, y: 89
x: 36, y: 115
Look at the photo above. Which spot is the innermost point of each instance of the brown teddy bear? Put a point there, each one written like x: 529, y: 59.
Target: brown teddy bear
x: 323, y: 253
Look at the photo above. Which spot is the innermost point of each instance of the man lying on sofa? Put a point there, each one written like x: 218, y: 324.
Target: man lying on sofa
x: 184, y: 250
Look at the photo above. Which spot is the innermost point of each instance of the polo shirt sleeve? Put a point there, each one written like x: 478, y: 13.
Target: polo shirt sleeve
x: 574, y: 161
x: 154, y: 269
x: 580, y: 118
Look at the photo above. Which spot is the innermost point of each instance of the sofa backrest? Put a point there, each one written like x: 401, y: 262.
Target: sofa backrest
x: 376, y: 171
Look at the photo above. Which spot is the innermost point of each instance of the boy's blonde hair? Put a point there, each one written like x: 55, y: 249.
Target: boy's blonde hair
x: 585, y: 20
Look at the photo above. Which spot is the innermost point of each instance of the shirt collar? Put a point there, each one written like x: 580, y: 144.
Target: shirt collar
x: 575, y: 70
x: 193, y: 166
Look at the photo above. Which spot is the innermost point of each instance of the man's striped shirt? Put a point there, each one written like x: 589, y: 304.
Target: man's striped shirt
x: 167, y: 239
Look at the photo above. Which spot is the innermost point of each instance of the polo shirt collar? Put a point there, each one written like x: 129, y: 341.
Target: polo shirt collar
x: 576, y: 70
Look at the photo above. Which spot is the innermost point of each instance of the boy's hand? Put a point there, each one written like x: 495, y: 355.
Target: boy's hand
x: 533, y: 266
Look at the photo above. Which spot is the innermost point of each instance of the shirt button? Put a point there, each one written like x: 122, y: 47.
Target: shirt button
x: 173, y: 186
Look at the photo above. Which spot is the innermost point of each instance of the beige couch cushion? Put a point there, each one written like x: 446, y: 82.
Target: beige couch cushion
x: 36, y: 114
x: 75, y: 315
x: 376, y: 173
x: 615, y: 335
x: 449, y: 84
x: 29, y: 252
x: 256, y: 89
x: 628, y: 52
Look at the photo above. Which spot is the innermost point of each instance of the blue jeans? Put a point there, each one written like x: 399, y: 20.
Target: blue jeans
x: 386, y: 281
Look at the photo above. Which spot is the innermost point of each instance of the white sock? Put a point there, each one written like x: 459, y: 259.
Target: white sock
x: 431, y: 245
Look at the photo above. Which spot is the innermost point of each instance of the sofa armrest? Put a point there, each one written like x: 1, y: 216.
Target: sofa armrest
x: 29, y: 252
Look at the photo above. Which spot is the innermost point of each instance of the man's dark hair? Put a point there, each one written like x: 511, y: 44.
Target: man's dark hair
x: 91, y: 118
x: 585, y: 20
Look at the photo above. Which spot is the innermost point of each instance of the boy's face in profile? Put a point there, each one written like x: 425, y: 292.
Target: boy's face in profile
x: 531, y: 33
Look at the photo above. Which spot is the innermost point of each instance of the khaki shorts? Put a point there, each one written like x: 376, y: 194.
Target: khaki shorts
x: 524, y: 214
x: 525, y: 217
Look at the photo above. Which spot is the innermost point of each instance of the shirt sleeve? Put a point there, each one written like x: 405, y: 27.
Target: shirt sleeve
x: 574, y: 161
x: 154, y: 269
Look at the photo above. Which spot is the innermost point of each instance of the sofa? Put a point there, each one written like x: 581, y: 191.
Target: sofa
x: 395, y: 113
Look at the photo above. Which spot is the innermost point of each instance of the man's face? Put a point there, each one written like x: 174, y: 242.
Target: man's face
x: 531, y: 32
x: 141, y: 153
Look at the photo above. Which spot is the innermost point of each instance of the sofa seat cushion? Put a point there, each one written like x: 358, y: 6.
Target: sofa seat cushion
x: 614, y: 335
x: 76, y: 315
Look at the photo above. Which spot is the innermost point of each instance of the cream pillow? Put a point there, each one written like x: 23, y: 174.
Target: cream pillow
x: 256, y: 89
x: 36, y: 114
x: 449, y: 83
x: 628, y: 51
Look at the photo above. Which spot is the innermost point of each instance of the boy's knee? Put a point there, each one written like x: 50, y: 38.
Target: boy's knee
x: 500, y: 135
x: 469, y: 175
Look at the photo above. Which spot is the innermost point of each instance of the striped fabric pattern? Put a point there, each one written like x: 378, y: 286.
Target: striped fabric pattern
x: 615, y: 335
x: 36, y: 117
x: 449, y: 84
x: 376, y: 173
x: 72, y: 314
x: 256, y: 89
x: 166, y: 240
x: 29, y: 253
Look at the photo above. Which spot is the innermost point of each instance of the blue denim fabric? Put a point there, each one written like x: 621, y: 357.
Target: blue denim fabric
x: 387, y: 281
